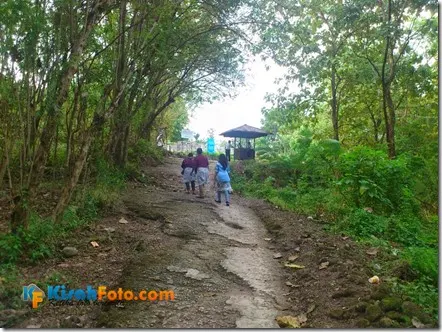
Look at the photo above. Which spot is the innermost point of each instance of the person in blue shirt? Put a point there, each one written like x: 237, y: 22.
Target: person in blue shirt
x: 222, y: 179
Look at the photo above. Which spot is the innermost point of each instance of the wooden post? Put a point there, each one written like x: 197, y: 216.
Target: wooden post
x: 234, y: 148
x: 254, y: 151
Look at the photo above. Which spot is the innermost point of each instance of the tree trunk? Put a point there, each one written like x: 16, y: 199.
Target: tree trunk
x: 122, y: 118
x: 92, y: 132
x: 334, y: 104
x: 389, y: 113
x: 54, y: 103
x: 68, y: 189
x: 147, y: 126
x: 116, y: 145
x: 61, y: 95
x: 4, y: 161
x: 70, y: 125
x: 387, y: 101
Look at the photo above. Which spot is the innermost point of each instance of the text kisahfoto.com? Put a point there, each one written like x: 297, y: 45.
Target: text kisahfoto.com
x: 60, y: 293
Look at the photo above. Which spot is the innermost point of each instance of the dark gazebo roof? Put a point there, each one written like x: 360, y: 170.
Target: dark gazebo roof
x: 245, y: 131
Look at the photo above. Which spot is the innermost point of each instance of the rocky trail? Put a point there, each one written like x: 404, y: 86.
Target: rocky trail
x: 226, y: 265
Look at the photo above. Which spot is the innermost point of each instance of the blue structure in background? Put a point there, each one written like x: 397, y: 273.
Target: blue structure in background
x: 211, y: 145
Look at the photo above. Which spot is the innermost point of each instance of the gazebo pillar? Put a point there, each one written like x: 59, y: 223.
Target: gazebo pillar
x: 234, y: 148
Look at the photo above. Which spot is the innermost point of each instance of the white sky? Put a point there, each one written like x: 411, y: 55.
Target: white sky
x: 245, y: 108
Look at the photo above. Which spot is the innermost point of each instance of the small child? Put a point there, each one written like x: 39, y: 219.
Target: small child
x: 222, y: 179
x: 188, y: 165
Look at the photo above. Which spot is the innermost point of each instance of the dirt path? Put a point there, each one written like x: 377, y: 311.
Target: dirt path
x: 220, y: 262
x: 214, y: 258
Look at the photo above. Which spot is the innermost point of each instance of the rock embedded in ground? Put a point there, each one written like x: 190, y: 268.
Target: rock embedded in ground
x: 413, y: 310
x: 363, y: 323
x: 311, y: 308
x: 33, y: 326
x: 292, y: 258
x: 397, y: 316
x: 388, y: 323
x: 277, y: 255
x: 176, y: 269
x: 70, y: 251
x: 380, y: 291
x: 195, y: 274
x: 337, y: 313
x: 373, y: 312
x: 71, y: 322
x: 391, y: 303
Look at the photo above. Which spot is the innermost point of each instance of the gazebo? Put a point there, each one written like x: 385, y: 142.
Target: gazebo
x: 243, y: 147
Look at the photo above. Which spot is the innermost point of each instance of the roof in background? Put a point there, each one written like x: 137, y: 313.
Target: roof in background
x: 245, y: 131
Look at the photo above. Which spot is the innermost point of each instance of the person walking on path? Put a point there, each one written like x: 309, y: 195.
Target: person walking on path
x: 188, y: 173
x: 201, y: 168
x: 222, y: 179
x: 228, y: 146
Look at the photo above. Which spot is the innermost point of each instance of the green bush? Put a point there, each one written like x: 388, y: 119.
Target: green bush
x: 366, y: 194
x: 39, y: 240
x: 370, y: 179
x: 109, y: 181
x: 144, y: 148
x: 363, y: 225
x: 425, y: 293
x: 424, y: 260
x: 405, y: 229
x: 10, y: 287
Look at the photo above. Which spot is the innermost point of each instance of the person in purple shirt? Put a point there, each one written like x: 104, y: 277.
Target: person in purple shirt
x: 188, y: 173
x: 201, y: 168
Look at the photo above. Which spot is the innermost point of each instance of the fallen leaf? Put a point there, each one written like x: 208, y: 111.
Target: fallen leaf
x: 109, y: 229
x: 416, y: 323
x: 298, y: 249
x: 372, y: 251
x: 345, y: 238
x: 277, y: 256
x: 295, y: 266
x: 123, y: 221
x: 311, y: 308
x: 288, y: 321
x: 310, y: 218
x: 323, y: 265
x: 288, y: 283
x: 368, y: 209
x: 267, y: 239
x: 292, y: 258
x: 94, y: 244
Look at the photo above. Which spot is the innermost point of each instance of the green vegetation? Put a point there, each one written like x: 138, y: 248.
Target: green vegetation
x: 43, y: 234
x: 359, y: 192
x: 356, y: 132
